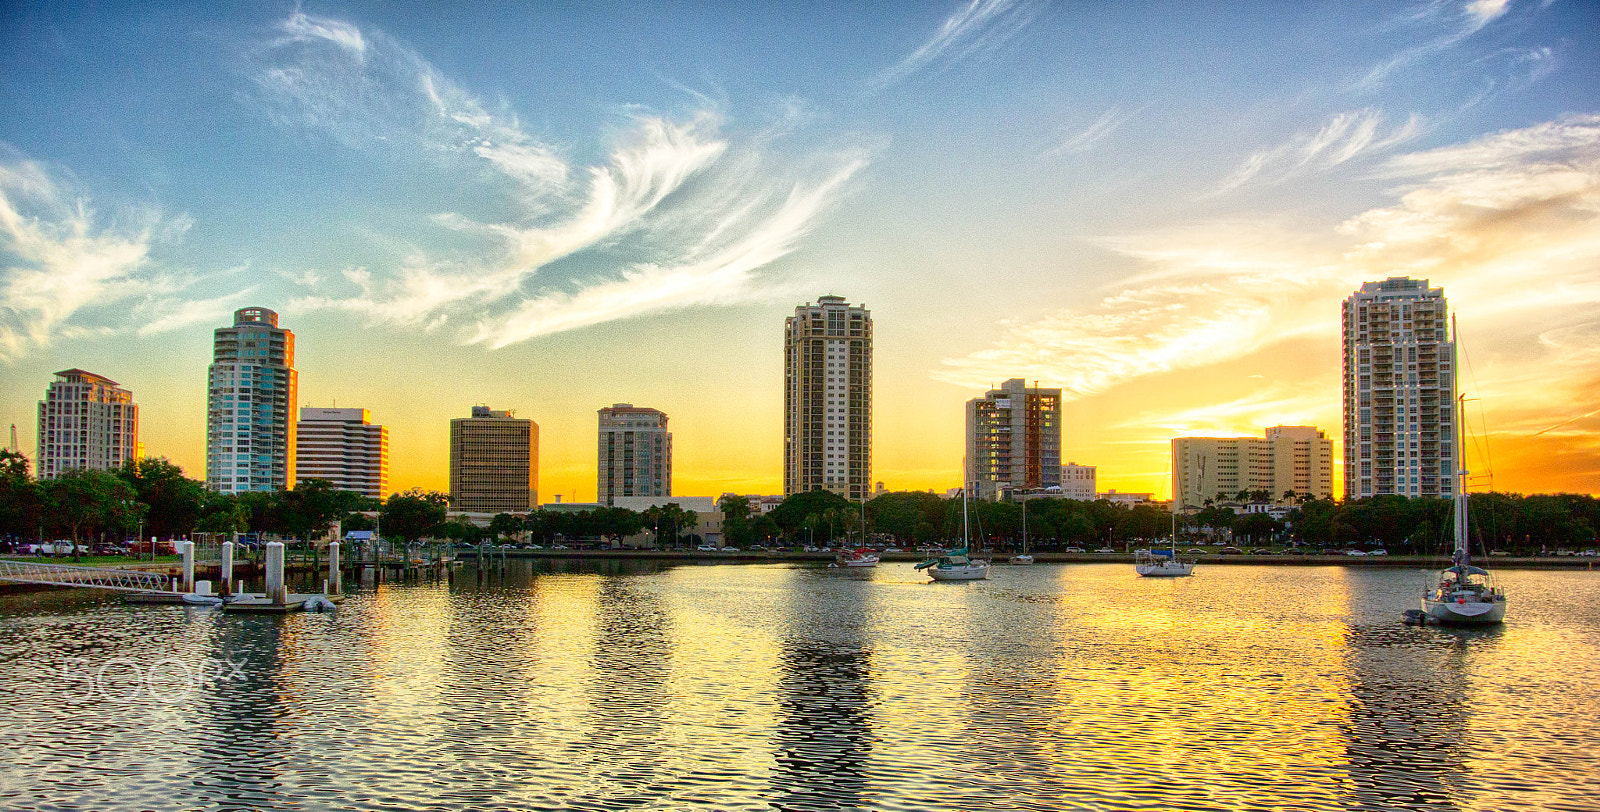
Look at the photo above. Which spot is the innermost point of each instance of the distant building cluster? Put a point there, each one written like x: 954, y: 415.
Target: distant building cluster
x: 1296, y: 459
x: 1399, y: 378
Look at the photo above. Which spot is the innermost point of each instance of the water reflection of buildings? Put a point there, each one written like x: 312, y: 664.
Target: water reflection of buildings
x: 241, y: 756
x: 823, y: 736
x: 623, y: 745
x: 823, y: 731
x: 1408, y: 722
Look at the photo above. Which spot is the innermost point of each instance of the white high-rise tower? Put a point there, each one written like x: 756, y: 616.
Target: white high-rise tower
x: 827, y: 399
x: 1399, y: 391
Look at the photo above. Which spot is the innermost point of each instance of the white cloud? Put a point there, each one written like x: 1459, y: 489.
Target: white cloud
x: 726, y: 277
x: 60, y: 260
x: 1083, y: 141
x: 677, y: 207
x: 978, y: 28
x: 1342, y: 138
x: 1508, y: 224
x: 171, y: 315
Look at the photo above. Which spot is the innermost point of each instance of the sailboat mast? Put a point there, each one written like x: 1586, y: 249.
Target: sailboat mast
x: 964, y: 535
x: 1462, y: 553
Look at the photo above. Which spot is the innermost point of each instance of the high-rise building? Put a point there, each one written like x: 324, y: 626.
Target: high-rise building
x: 635, y: 453
x: 1078, y: 482
x: 1014, y: 440
x: 1399, y: 391
x: 494, y: 462
x: 250, y: 391
x: 85, y: 421
x: 1288, y: 458
x: 344, y: 447
x: 827, y: 399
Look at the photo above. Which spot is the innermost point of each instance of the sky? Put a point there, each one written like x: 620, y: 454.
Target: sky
x: 551, y: 208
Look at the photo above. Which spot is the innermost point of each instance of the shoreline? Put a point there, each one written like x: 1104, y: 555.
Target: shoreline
x: 998, y: 559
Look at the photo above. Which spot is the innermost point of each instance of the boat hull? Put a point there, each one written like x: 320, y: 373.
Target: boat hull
x: 1165, y: 570
x: 963, y: 572
x: 1464, y: 613
x: 869, y: 561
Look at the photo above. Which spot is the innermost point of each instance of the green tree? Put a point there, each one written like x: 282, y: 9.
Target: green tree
x: 174, y: 501
x: 21, y: 498
x: 504, y: 525
x: 736, y: 528
x: 791, y: 516
x: 414, y: 513
x: 85, y: 502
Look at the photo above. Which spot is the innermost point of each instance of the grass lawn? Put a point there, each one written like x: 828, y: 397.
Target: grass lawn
x: 95, y: 560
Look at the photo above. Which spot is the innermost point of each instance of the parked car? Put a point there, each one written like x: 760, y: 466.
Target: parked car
x: 1105, y: 550
x: 707, y: 548
x: 1354, y: 552
x: 1261, y: 551
x: 1379, y: 551
x: 1074, y: 550
x: 1231, y: 551
x: 1195, y: 551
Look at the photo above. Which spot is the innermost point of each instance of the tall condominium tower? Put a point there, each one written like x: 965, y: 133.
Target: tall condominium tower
x: 494, y: 462
x: 1399, y: 391
x: 250, y: 390
x: 827, y: 399
x: 1288, y: 458
x: 86, y: 421
x: 1014, y: 440
x: 343, y: 447
x: 635, y: 453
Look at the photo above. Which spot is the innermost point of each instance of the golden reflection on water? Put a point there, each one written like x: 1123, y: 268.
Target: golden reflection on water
x: 790, y: 688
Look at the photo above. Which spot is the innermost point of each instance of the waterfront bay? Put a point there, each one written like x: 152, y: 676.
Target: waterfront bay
x: 640, y: 685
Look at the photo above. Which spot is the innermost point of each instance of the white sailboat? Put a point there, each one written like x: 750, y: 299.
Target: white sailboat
x: 1465, y: 595
x: 956, y: 565
x: 1024, y: 558
x: 1161, y: 563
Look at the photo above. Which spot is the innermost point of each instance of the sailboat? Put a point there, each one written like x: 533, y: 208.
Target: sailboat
x: 1024, y: 558
x: 1162, y: 563
x: 1465, y: 596
x: 956, y: 565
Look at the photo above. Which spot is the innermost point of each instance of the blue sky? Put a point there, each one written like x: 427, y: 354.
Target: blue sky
x: 1157, y: 207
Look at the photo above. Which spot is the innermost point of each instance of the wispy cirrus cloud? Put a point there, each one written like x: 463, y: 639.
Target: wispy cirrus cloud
x: 1438, y: 27
x: 1509, y: 224
x: 726, y: 276
x: 61, y: 258
x: 1342, y: 138
x: 1087, y: 139
x: 677, y: 202
x: 973, y: 31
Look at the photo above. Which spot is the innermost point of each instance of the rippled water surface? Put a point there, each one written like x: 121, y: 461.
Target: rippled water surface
x: 616, y: 686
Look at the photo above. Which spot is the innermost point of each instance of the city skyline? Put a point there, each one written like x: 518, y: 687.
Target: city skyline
x: 1158, y: 211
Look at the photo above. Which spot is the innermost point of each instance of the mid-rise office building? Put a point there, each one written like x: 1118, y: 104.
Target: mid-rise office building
x: 1287, y: 458
x: 344, y: 447
x: 494, y: 462
x: 250, y: 392
x: 635, y: 457
x: 86, y: 421
x: 1399, y: 391
x: 827, y: 399
x: 1078, y: 482
x: 1014, y: 440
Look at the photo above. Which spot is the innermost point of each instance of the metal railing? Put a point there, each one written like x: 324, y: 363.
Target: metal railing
x: 25, y: 572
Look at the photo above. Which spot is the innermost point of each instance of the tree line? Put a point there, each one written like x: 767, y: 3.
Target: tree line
x: 152, y: 497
